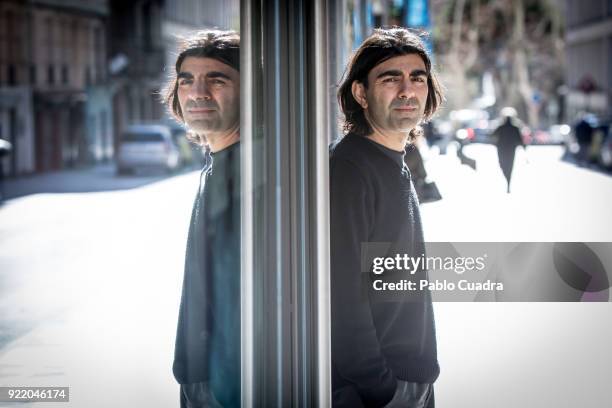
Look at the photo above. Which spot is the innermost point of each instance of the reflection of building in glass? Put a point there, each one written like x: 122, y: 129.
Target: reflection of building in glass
x: 589, y: 56
x: 52, y: 51
x: 136, y: 58
x: 74, y: 73
x: 182, y: 17
x: 142, y: 45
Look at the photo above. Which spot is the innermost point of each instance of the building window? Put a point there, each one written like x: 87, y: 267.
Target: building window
x: 50, y: 75
x: 65, y: 75
x: 147, y: 27
x: 99, y: 54
x: 87, y: 76
x: 12, y: 75
x: 33, y: 74
x: 10, y: 33
x: 610, y: 61
x: 48, y: 40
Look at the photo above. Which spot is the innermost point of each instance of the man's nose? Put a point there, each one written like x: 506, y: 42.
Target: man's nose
x: 407, y: 89
x: 200, y: 90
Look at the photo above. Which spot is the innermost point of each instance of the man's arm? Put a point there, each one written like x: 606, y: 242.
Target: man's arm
x: 355, y: 348
x: 190, y: 352
x: 192, y: 334
x: 198, y: 395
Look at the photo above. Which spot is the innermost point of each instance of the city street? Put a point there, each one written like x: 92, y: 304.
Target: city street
x: 90, y: 289
x: 91, y: 271
x: 92, y: 248
x: 521, y: 354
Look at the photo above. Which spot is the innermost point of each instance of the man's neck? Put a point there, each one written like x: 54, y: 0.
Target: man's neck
x: 218, y: 142
x: 395, y: 141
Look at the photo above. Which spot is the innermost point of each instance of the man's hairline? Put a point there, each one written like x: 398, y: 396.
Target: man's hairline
x: 178, y: 71
x: 365, y: 85
x: 210, y: 74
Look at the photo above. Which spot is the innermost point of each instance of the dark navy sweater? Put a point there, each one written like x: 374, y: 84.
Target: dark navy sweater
x: 375, y: 341
x: 208, y: 335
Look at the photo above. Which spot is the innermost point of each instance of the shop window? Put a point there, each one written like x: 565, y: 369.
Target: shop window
x: 12, y: 75
x: 65, y: 78
x: 50, y: 75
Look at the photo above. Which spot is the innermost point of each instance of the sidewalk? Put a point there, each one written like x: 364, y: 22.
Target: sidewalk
x: 101, y: 177
x: 90, y: 286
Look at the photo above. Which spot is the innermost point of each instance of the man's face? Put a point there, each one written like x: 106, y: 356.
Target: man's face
x: 394, y: 101
x: 209, y: 95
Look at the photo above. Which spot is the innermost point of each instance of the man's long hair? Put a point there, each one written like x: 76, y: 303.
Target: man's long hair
x: 382, y: 45
x: 224, y: 46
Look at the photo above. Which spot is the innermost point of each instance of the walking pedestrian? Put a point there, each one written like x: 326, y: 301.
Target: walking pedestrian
x: 508, y: 137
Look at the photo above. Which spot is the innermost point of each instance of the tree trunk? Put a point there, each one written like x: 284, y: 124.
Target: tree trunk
x: 521, y: 69
x: 458, y: 61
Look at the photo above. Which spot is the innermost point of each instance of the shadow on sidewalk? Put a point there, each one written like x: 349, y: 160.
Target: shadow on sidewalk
x: 90, y: 180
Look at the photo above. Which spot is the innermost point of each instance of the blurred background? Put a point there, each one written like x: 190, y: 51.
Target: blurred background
x: 97, y: 183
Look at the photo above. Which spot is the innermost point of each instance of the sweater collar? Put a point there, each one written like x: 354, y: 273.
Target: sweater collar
x: 397, y: 157
x: 226, y: 154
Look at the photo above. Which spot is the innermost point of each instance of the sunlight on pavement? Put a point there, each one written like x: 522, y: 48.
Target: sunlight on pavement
x: 95, y: 303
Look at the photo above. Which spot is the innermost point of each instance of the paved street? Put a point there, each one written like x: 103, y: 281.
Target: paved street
x: 508, y: 355
x: 90, y: 285
x: 90, y: 289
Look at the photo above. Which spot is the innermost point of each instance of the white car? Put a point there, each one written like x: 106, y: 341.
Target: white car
x: 147, y: 146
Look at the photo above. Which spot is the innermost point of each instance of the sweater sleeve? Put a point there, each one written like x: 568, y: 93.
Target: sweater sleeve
x: 356, y: 351
x: 192, y: 335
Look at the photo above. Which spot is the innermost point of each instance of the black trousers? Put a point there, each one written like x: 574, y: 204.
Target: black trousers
x: 347, y: 397
x: 431, y: 403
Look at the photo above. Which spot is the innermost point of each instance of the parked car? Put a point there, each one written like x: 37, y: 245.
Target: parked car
x: 440, y: 134
x: 471, y: 125
x: 147, y: 146
x: 554, y: 135
x: 558, y: 133
x: 186, y: 148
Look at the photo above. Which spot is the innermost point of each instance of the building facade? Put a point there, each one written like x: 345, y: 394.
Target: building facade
x: 16, y: 115
x: 52, y: 53
x: 144, y: 37
x: 588, y: 74
x: 74, y: 73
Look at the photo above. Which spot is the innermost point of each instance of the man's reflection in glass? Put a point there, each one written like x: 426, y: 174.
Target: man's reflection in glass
x: 204, y: 94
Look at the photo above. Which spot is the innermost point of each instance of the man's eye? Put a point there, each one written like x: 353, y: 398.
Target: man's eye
x: 390, y: 79
x: 218, y: 82
x: 419, y: 79
x: 185, y: 81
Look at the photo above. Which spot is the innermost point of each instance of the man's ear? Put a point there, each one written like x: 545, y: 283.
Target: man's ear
x: 358, y: 91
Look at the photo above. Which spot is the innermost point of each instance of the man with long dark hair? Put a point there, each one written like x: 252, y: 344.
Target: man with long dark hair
x: 383, y: 350
x: 204, y: 94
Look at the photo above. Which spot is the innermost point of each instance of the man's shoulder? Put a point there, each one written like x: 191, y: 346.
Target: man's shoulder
x: 350, y: 148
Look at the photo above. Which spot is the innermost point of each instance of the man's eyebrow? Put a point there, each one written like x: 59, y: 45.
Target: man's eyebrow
x: 184, y: 74
x: 218, y: 74
x: 389, y: 72
x: 397, y: 72
x: 418, y: 72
